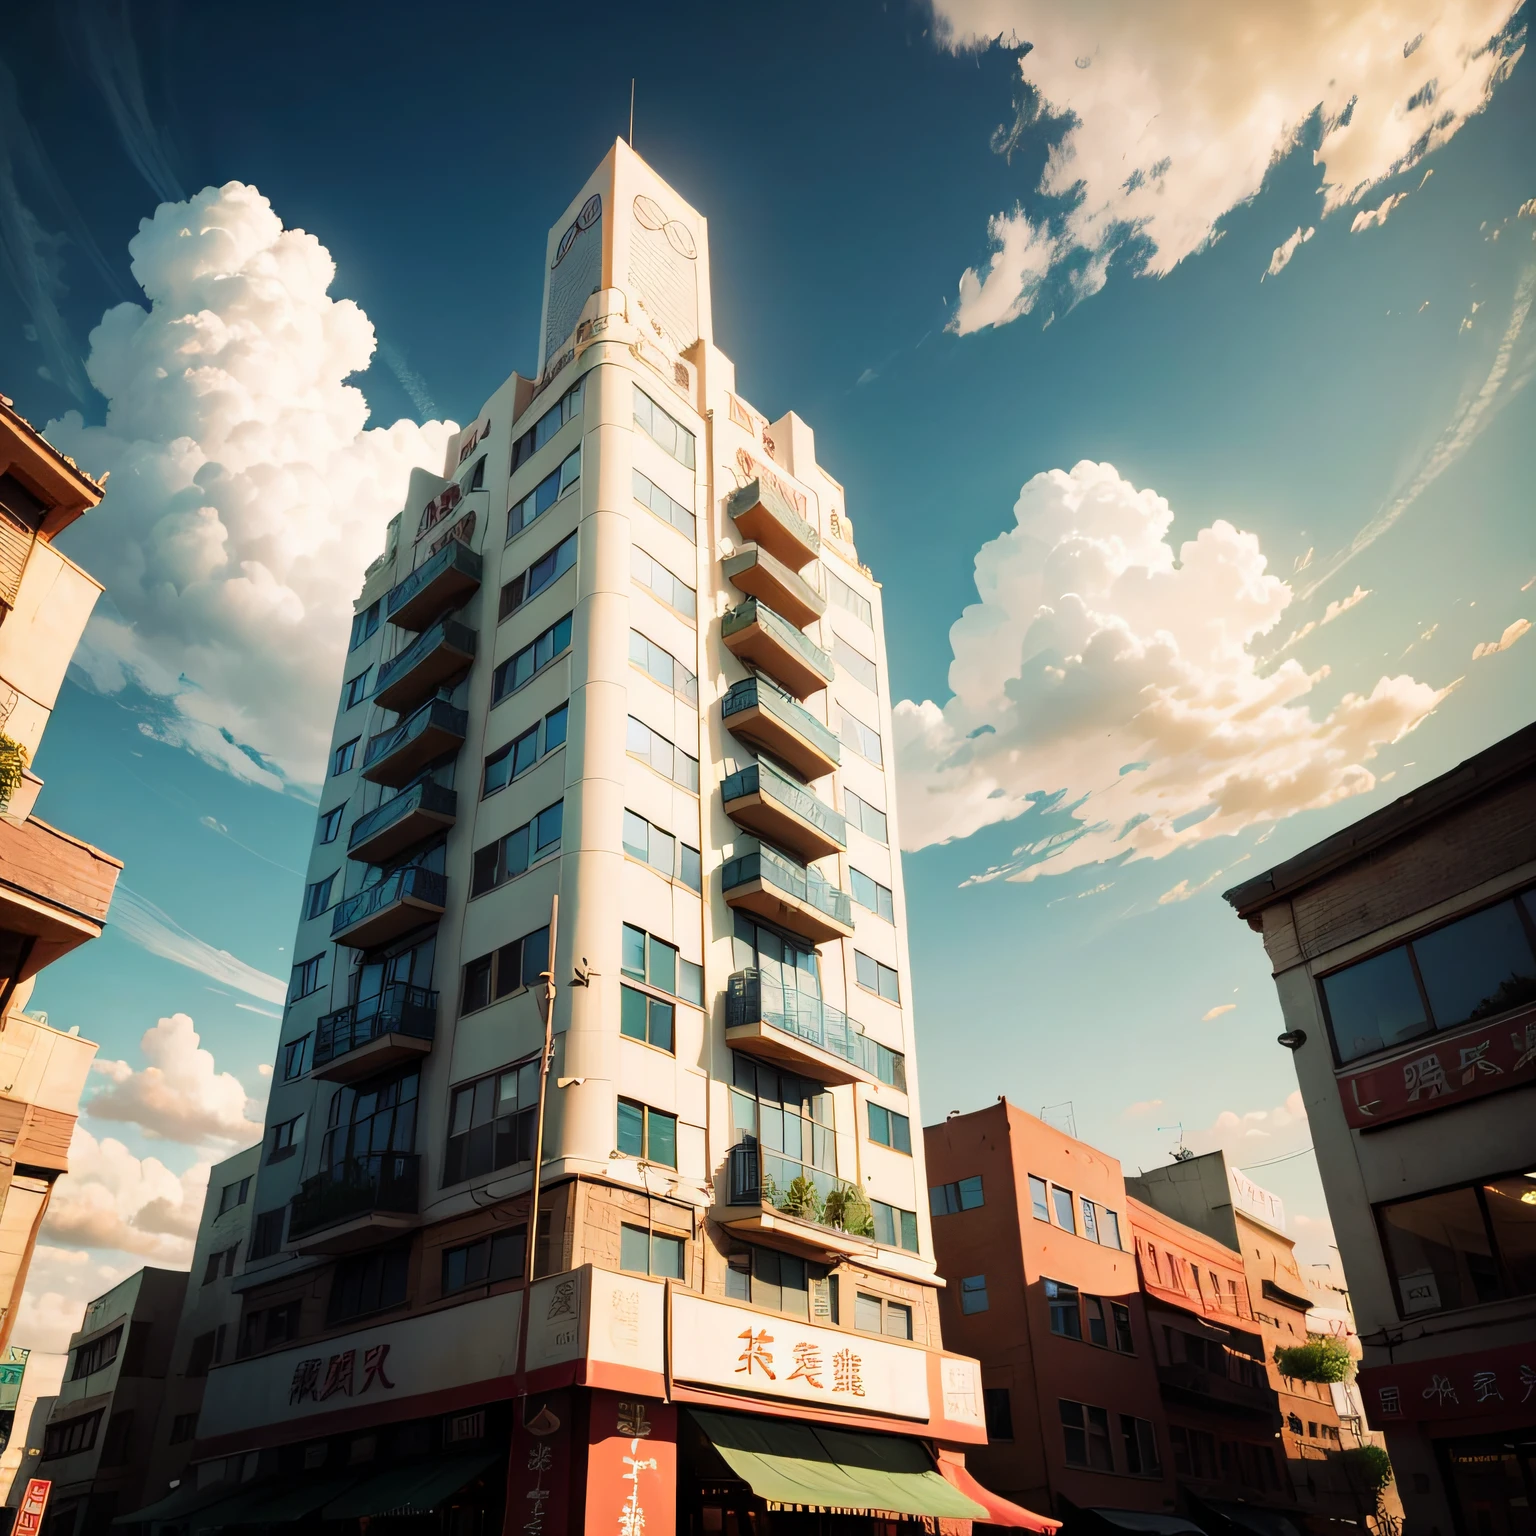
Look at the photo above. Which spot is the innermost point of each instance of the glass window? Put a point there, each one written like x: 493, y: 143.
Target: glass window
x: 650, y: 1253
x: 1511, y: 1206
x: 662, y: 667
x: 1440, y: 1252
x: 865, y: 817
x: 889, y: 1129
x: 368, y: 1282
x: 871, y: 894
x: 790, y: 1117
x: 1086, y: 1429
x: 1090, y: 1220
x: 1061, y: 1200
x: 895, y: 1227
x: 655, y: 750
x: 1477, y: 967
x: 491, y: 1123
x: 1374, y: 1004
x: 875, y: 977
x: 520, y: 667
x: 666, y: 431
x: 505, y: 970
x: 356, y: 690
x: 296, y: 1058
x: 344, y: 756
x: 867, y: 1316
x: 1098, y: 1320
x: 1121, y: 1317
x: 848, y: 600
x: 513, y: 855
x: 1039, y: 1201
x: 306, y: 976
x: 651, y: 496
x: 898, y: 1320
x: 782, y: 1282
x: 500, y: 1256
x: 856, y: 665
x: 998, y: 1406
x: 565, y: 409
x: 973, y: 1293
x: 545, y: 494
x: 1140, y: 1439
x: 1062, y: 1301
x: 646, y: 1018
x: 330, y: 824
x: 651, y: 574
x: 544, y: 571
x: 364, y: 625
x: 1109, y: 1228
x: 647, y: 1133
x: 863, y: 739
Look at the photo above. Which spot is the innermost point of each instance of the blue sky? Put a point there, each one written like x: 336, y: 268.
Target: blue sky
x: 848, y: 160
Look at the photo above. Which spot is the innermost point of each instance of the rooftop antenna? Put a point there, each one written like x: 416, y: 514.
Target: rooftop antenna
x: 1062, y: 1122
x: 631, y: 111
x: 1180, y: 1153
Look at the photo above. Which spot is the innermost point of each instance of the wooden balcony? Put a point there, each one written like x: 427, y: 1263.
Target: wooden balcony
x: 757, y: 573
x: 755, y: 634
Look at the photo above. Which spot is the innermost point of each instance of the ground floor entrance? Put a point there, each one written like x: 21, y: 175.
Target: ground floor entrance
x: 1491, y: 1481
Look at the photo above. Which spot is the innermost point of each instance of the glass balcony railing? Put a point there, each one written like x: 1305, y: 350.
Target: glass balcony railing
x: 793, y: 880
x: 759, y: 693
x: 758, y: 1176
x: 382, y: 1181
x: 755, y: 998
x: 434, y: 728
x: 781, y: 632
x: 439, y: 583
x: 764, y: 515
x: 755, y: 572
x: 423, y: 888
x: 441, y: 806
x: 763, y: 778
x: 399, y: 1009
x: 436, y: 654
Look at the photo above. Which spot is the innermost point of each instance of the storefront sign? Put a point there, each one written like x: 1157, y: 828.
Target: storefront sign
x: 1438, y: 1071
x: 452, y: 1348
x: 592, y: 1314
x: 1256, y: 1202
x: 29, y: 1518
x: 539, y: 1467
x: 1474, y: 1385
x: 961, y: 1379
x: 631, y: 1477
x: 723, y: 1346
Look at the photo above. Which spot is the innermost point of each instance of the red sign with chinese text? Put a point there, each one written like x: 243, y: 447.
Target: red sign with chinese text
x: 34, y: 1502
x: 1478, y: 1384
x: 1440, y: 1070
x: 539, y: 1467
x: 631, y: 1466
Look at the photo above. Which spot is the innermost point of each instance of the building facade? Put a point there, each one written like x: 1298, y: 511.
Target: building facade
x: 622, y: 654
x: 1404, y: 953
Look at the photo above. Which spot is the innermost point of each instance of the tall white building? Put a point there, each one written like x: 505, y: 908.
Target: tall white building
x: 622, y: 652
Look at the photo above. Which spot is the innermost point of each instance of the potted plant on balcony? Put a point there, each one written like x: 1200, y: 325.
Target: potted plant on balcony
x: 848, y: 1207
x: 802, y: 1199
x: 1320, y: 1359
x: 13, y: 764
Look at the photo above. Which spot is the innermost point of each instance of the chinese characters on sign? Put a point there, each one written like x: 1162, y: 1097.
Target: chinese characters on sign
x: 1463, y: 1387
x: 340, y: 1372
x: 34, y: 1501
x: 847, y: 1364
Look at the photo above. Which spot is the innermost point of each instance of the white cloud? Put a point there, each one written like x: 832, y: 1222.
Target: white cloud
x: 1286, y: 249
x: 150, y: 928
x: 1014, y: 273
x: 1169, y: 116
x: 1330, y: 613
x: 1369, y: 217
x: 180, y: 1095
x: 1256, y: 1133
x: 1511, y: 634
x: 247, y: 498
x: 1139, y: 1108
x: 1109, y: 678
x: 1216, y: 1012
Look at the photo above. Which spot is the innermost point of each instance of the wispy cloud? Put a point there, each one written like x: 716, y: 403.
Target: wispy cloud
x: 1216, y: 1012
x: 150, y: 928
x: 1492, y: 647
x: 408, y: 379
x: 1370, y: 217
x: 1283, y: 252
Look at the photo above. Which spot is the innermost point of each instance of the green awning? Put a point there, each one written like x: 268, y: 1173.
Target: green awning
x: 410, y: 1490
x: 269, y: 1504
x: 176, y: 1506
x: 833, y: 1469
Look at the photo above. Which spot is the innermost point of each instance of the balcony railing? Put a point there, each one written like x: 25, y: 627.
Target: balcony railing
x: 401, y: 752
x: 436, y: 585
x: 783, y: 811
x: 763, y: 515
x: 436, y: 655
x: 838, y: 1213
x: 801, y: 898
x: 753, y: 632
x: 399, y: 1009
x: 760, y: 713
x: 407, y: 818
x: 399, y: 901
x: 387, y: 1182
x: 757, y: 573
x: 753, y: 998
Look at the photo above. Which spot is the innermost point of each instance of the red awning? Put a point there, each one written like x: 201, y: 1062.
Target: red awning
x: 999, y: 1510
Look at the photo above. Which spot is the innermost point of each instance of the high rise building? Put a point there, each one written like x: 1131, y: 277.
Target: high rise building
x: 623, y: 654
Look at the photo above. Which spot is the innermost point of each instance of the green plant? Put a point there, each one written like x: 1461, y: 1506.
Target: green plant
x: 1319, y: 1359
x: 1369, y: 1468
x: 14, y: 759
x: 802, y: 1199
x: 848, y: 1207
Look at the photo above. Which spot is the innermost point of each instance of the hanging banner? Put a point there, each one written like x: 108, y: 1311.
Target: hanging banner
x: 539, y: 1467
x: 29, y: 1518
x: 631, y: 1482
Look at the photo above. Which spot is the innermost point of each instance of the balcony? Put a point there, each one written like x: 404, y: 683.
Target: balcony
x: 780, y: 810
x: 355, y: 1204
x: 397, y: 755
x: 758, y: 574
x: 409, y: 818
x: 779, y: 891
x: 762, y: 514
x: 786, y: 1203
x: 435, y: 587
x: 436, y: 657
x: 754, y: 633
x: 1195, y: 1387
x: 801, y: 1032
x: 756, y: 712
x: 394, y: 1027
x: 398, y: 903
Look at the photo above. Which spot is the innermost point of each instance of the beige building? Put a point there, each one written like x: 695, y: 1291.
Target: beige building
x: 1404, y: 952
x: 622, y: 652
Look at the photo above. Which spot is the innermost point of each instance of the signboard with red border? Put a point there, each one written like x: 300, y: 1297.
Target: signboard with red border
x: 1480, y: 1384
x: 29, y: 1518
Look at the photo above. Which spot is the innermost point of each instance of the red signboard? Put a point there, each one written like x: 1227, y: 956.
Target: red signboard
x: 1480, y: 1384
x: 631, y: 1466
x: 539, y: 1467
x: 1437, y: 1071
x: 34, y: 1501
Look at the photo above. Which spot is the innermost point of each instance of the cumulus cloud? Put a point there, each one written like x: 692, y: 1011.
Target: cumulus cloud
x: 1511, y: 634
x: 147, y: 926
x: 1108, y: 678
x: 1286, y: 249
x: 247, y: 494
x: 180, y: 1095
x: 1368, y: 217
x: 1164, y: 118
x: 1255, y: 1133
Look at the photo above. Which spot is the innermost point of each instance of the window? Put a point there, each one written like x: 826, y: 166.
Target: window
x: 183, y: 1428
x: 878, y: 1314
x: 898, y: 1320
x: 647, y: 1133
x: 475, y: 479
x: 505, y: 970
x: 647, y: 1018
x: 1087, y: 1436
x: 520, y: 667
x: 654, y: 499
x: 662, y: 851
x: 97, y: 1355
x: 306, y: 974
x: 665, y: 431
x: 998, y: 1406
x: 660, y: 582
x: 1120, y: 1316
x: 284, y: 1139
x: 1061, y: 1200
x: 269, y: 1327
x: 317, y: 897
x: 527, y: 585
x: 491, y: 1123
x: 790, y: 1118
x: 964, y: 1195
x: 1109, y: 1228
x: 1098, y: 1320
x: 330, y: 824
x: 117, y: 1440
x: 220, y: 1263
x: 1194, y: 1451
x: 232, y: 1196
x: 894, y: 1227
x: 1090, y: 1221
x: 650, y: 1253
x: 513, y: 855
x: 858, y: 666
x: 669, y: 761
x: 499, y: 1256
x: 871, y: 894
x: 973, y: 1294
x: 781, y: 1282
x: 875, y: 977
x: 267, y: 1233
x: 889, y: 1129
x: 653, y: 961
x: 861, y: 814
x: 867, y: 1314
x: 1463, y: 1246
x: 545, y: 494
x: 72, y: 1436
x: 565, y: 409
x: 520, y: 754
x: 364, y: 625
x: 849, y: 600
x: 342, y: 758
x: 368, y: 1282
x: 662, y: 667
x: 356, y: 690
x: 1475, y: 968
x: 1039, y: 1199
x: 1140, y: 1439
x: 861, y: 738
x: 1062, y: 1301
